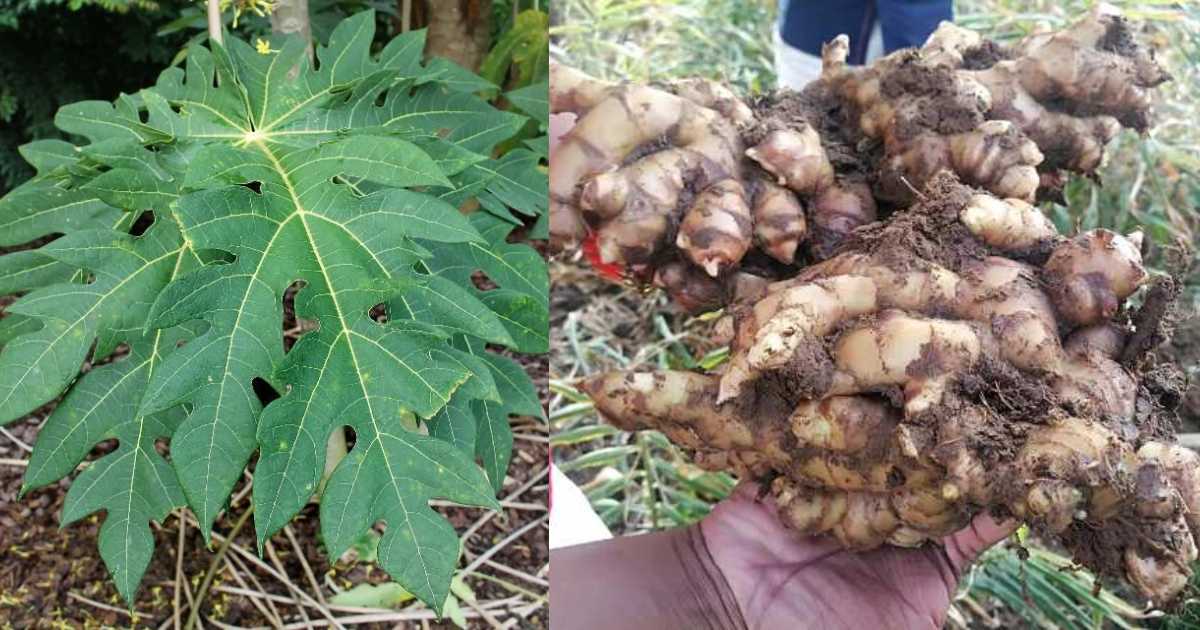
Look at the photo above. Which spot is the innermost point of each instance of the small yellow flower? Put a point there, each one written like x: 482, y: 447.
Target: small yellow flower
x: 261, y: 8
x: 263, y: 46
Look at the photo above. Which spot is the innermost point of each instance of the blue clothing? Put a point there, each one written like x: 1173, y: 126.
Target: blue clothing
x: 806, y: 24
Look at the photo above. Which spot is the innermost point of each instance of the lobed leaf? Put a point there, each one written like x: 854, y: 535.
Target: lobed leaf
x: 259, y: 173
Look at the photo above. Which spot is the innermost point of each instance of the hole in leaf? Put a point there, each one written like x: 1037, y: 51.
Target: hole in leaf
x: 351, y: 437
x: 89, y: 360
x: 118, y: 353
x: 381, y: 99
x: 215, y: 256
x: 379, y: 313
x: 294, y: 327
x: 34, y: 244
x: 520, y: 234
x: 265, y: 392
x: 482, y: 281
x: 255, y: 186
x: 162, y: 447
x: 143, y: 223
x: 102, y: 448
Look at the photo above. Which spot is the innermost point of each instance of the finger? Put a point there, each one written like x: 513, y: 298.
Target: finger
x: 963, y: 546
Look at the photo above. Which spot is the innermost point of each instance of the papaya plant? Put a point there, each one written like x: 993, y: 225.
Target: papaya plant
x: 186, y: 212
x: 523, y: 50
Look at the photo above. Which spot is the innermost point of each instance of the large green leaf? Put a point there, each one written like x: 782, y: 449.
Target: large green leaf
x: 129, y: 273
x: 43, y: 207
x: 494, y: 441
x: 262, y: 171
x: 533, y: 100
x: 133, y: 484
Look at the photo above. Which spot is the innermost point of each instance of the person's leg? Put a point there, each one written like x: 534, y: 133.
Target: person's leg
x: 804, y: 25
x: 908, y: 23
x: 807, y: 24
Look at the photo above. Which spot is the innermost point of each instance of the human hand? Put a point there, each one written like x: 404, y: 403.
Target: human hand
x: 779, y: 577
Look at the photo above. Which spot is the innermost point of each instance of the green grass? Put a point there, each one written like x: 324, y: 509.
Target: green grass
x: 1043, y: 590
x: 728, y: 40
x: 636, y: 482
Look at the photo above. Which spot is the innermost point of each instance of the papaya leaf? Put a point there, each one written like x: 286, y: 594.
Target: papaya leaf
x: 257, y: 172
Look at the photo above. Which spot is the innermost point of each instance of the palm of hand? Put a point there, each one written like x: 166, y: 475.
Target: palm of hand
x: 783, y: 580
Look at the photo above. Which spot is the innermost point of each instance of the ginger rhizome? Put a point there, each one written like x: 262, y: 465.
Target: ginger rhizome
x: 636, y: 203
x: 996, y: 116
x: 960, y: 357
x: 661, y: 179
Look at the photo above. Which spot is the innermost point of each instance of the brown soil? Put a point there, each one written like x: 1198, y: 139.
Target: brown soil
x: 815, y: 106
x: 1163, y: 393
x: 806, y: 376
x: 940, y: 107
x: 1153, y: 322
x: 1184, y: 350
x: 985, y: 56
x: 929, y: 233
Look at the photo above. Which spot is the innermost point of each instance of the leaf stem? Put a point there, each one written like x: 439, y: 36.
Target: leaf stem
x: 194, y: 616
x: 214, y: 21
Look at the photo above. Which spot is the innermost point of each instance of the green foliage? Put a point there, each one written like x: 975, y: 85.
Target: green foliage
x: 261, y: 171
x: 367, y: 595
x: 392, y: 595
x: 523, y: 50
x: 54, y: 53
x: 638, y: 40
x: 1187, y: 616
x: 1044, y: 589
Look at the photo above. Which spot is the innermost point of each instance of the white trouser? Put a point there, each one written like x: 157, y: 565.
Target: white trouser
x: 795, y: 68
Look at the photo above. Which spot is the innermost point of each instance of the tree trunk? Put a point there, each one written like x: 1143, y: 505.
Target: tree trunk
x: 459, y: 30
x: 291, y: 17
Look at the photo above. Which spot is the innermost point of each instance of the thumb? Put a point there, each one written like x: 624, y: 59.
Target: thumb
x: 963, y: 546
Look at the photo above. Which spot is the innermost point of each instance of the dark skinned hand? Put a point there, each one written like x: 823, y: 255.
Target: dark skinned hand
x: 779, y: 577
